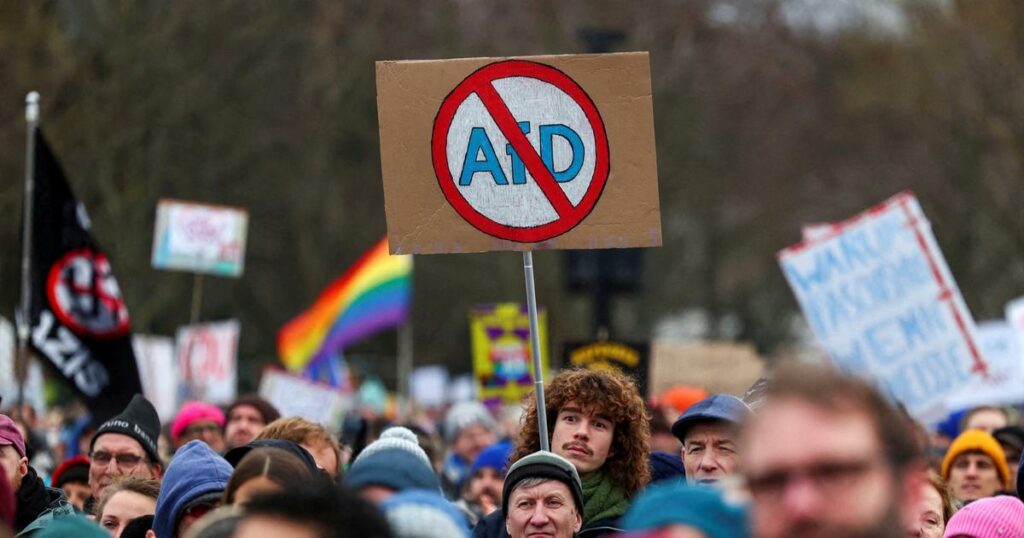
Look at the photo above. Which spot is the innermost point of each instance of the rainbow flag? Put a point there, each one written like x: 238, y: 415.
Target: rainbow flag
x: 371, y: 296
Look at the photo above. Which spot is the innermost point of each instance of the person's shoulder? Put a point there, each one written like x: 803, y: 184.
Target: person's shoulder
x: 491, y: 526
x: 594, y: 529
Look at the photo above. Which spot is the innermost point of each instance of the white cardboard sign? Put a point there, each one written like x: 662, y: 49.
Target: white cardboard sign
x: 208, y: 361
x: 200, y: 238
x: 1005, y: 382
x: 878, y: 295
x: 158, y: 372
x: 297, y: 397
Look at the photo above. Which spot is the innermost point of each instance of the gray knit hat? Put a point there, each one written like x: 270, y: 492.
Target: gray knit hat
x: 543, y: 464
x: 399, y: 438
x: 464, y: 414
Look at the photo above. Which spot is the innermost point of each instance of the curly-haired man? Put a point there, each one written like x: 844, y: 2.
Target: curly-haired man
x: 597, y: 420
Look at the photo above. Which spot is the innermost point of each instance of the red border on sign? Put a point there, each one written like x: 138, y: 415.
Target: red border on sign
x: 480, y: 83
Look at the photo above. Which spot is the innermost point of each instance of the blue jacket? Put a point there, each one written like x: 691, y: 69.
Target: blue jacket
x: 195, y: 471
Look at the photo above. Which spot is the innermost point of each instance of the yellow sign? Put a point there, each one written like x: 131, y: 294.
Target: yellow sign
x: 502, y: 361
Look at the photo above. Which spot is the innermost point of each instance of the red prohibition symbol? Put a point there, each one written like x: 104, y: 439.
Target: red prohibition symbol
x: 481, y: 83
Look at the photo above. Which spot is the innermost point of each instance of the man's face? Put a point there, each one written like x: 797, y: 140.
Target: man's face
x: 485, y: 488
x: 115, y: 455
x: 324, y: 456
x: 926, y: 520
x: 973, y: 476
x: 243, y: 425
x: 471, y: 440
x: 546, y: 509
x: 582, y: 436
x: 206, y: 431
x: 986, y: 420
x: 815, y: 472
x: 15, y: 466
x: 709, y: 452
x: 77, y: 493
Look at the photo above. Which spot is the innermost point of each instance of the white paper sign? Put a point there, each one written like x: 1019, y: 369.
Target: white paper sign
x: 8, y: 379
x: 877, y: 293
x: 297, y: 397
x: 200, y: 238
x: 430, y: 385
x: 1005, y: 382
x: 208, y: 361
x: 158, y: 371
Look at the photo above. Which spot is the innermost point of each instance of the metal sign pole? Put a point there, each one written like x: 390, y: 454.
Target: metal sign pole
x: 24, y: 321
x: 538, y: 374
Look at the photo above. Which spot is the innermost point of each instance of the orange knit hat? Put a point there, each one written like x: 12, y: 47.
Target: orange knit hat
x: 977, y: 441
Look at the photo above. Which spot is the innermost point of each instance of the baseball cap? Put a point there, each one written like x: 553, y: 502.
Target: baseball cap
x: 720, y: 407
x: 10, y: 435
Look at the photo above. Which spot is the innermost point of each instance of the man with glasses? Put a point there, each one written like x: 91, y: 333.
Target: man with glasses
x: 827, y: 456
x: 125, y: 445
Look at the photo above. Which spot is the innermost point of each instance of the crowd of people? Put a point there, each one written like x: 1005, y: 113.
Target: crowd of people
x: 815, y: 454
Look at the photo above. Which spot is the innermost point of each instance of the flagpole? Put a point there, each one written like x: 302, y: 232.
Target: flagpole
x: 23, y: 321
x: 538, y: 374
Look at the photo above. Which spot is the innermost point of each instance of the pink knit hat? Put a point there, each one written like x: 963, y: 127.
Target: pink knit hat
x: 192, y: 412
x: 993, y: 517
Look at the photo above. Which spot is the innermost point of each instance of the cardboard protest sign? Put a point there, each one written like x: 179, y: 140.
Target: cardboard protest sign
x: 208, y: 361
x: 200, y: 238
x: 158, y: 372
x: 630, y: 358
x: 8, y: 377
x: 878, y: 295
x: 502, y: 361
x: 717, y: 366
x: 543, y: 152
x: 294, y: 396
x: 1005, y: 360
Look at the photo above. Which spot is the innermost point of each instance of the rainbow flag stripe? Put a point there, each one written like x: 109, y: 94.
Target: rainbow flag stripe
x: 373, y: 295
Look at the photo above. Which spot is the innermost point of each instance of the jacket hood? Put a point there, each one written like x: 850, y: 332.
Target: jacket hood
x: 195, y: 471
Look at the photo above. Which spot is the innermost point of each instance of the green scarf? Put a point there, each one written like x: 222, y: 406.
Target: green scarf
x: 601, y: 498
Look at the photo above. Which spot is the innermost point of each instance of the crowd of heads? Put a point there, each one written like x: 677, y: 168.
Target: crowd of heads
x: 815, y: 454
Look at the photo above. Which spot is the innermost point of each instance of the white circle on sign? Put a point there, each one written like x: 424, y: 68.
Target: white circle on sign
x: 541, y: 104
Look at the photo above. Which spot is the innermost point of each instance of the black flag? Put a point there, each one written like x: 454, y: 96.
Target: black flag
x: 79, y: 321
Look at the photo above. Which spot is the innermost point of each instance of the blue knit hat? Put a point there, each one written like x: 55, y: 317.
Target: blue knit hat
x: 495, y: 457
x: 424, y: 514
x: 675, y: 503
x: 394, y: 461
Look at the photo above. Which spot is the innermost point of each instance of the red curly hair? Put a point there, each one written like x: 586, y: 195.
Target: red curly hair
x: 611, y: 394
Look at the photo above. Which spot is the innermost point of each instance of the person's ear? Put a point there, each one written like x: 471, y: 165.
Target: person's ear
x: 150, y: 534
x: 579, y: 523
x: 23, y: 466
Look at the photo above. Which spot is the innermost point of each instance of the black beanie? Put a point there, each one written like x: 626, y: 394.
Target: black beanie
x: 138, y: 421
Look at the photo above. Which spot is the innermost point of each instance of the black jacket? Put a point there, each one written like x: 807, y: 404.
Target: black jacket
x: 493, y: 526
x: 34, y: 499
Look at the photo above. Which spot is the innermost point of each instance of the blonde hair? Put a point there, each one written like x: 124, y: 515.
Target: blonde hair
x: 301, y: 431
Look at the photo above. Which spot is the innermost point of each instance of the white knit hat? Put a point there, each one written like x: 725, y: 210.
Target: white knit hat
x: 396, y: 438
x: 464, y: 414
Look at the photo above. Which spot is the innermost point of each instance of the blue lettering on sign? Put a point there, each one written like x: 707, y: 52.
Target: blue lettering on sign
x: 518, y: 168
x: 547, y: 134
x: 479, y: 144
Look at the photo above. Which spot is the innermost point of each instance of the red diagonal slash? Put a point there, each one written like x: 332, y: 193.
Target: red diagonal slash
x: 510, y: 128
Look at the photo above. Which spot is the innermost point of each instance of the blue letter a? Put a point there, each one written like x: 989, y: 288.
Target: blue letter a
x: 478, y: 142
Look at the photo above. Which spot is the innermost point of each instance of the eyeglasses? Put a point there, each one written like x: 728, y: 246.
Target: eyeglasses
x: 125, y: 462
x: 828, y: 477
